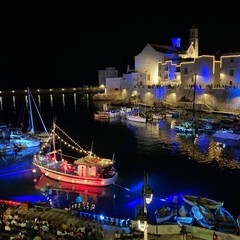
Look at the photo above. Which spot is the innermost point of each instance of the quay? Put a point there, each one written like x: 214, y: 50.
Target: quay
x: 155, y: 232
x: 83, y: 90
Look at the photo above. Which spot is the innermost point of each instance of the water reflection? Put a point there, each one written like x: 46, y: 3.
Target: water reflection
x: 1, y: 103
x: 174, y: 161
x: 201, y: 148
x: 51, y: 101
x: 63, y: 101
x: 62, y: 194
x: 19, y: 156
x: 39, y: 102
x: 14, y: 103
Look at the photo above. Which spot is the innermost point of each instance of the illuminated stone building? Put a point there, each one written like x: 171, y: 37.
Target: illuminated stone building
x: 167, y: 73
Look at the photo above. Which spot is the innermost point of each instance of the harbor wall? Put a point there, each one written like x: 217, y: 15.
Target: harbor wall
x: 212, y: 99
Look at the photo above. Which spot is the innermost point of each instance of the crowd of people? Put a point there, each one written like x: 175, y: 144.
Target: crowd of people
x: 13, y: 226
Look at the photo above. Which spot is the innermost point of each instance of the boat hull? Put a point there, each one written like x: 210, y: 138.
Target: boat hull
x: 225, y: 222
x: 209, y: 203
x: 75, y: 179
x: 136, y: 119
x: 227, y: 135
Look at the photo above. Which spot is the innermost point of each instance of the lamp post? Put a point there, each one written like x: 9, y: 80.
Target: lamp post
x: 147, y: 198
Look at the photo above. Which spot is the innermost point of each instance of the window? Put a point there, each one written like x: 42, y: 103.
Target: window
x: 232, y: 60
x: 231, y: 73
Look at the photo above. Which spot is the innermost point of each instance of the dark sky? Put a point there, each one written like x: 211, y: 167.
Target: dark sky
x: 65, y: 45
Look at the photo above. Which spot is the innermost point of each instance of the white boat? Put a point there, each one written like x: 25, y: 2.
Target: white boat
x: 23, y: 140
x: 43, y: 136
x: 227, y: 134
x: 86, y: 170
x: 136, y: 116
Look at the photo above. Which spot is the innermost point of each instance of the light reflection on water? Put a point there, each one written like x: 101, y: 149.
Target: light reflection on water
x: 201, y: 148
x: 175, y: 163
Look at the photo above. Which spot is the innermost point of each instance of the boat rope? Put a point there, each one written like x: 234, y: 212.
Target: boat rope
x: 79, y: 148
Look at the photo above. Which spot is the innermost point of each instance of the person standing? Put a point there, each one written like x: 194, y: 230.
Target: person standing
x: 215, y: 236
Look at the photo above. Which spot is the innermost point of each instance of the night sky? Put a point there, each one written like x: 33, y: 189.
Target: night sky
x: 65, y: 45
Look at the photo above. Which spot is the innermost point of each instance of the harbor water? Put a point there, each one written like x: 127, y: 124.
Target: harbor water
x: 175, y: 164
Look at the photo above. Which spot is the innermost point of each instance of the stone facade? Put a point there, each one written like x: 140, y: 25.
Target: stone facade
x: 167, y: 73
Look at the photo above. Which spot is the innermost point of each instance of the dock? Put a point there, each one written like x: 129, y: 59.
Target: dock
x: 83, y: 90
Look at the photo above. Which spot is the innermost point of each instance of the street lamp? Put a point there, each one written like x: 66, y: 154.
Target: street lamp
x: 142, y: 216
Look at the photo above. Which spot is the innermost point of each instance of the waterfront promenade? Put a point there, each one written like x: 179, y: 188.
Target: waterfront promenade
x: 84, y: 89
x: 163, y: 232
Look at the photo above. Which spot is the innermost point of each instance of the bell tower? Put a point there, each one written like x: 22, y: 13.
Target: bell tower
x: 193, y: 39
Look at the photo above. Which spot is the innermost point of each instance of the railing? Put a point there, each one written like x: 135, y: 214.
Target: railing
x: 194, y: 232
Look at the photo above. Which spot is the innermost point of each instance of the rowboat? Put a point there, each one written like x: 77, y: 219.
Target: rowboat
x: 238, y: 223
x: 175, y: 210
x: 184, y: 215
x: 164, y: 213
x: 203, y: 216
x: 225, y: 222
x: 209, y: 203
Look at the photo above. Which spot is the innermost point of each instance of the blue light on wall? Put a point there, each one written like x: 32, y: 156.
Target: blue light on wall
x: 160, y: 92
x: 205, y: 73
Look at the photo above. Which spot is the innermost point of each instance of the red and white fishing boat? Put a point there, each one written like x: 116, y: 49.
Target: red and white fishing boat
x: 88, y: 169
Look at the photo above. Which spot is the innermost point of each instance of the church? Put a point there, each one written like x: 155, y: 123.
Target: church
x: 167, y: 73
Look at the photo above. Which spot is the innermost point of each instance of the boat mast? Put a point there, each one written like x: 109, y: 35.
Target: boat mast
x: 91, y: 151
x: 194, y: 95
x: 54, y: 140
x: 193, y: 108
x: 45, y: 129
x: 113, y: 158
x: 30, y: 112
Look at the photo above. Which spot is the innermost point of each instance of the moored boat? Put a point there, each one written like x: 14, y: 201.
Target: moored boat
x: 228, y: 134
x: 164, y: 213
x: 185, y: 127
x: 225, y: 222
x: 88, y: 170
x: 136, y: 118
x: 101, y: 115
x: 174, y: 210
x: 184, y: 215
x: 203, y: 216
x: 238, y: 223
x: 23, y: 140
x: 8, y: 148
x: 209, y: 203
